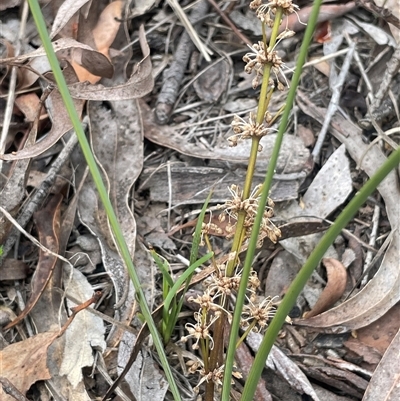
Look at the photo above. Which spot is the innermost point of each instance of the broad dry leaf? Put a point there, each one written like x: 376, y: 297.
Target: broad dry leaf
x: 93, y: 218
x: 383, y: 290
x: 25, y: 362
x: 85, y: 333
x: 117, y: 143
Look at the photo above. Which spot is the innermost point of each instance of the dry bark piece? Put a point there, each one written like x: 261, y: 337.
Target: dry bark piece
x: 336, y: 284
x: 190, y: 191
x: 369, y: 354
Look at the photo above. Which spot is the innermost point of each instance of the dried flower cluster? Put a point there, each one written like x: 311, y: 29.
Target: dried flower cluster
x: 246, y: 130
x: 259, y: 57
x: 233, y: 206
x: 266, y: 12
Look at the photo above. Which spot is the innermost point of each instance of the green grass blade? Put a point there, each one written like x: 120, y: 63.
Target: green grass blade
x: 94, y: 170
x: 184, y: 278
x: 197, y: 233
x: 163, y: 265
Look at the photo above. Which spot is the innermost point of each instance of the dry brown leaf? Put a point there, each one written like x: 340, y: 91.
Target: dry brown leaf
x: 336, y: 284
x: 25, y: 363
x: 104, y: 34
x: 139, y: 84
x: 61, y: 125
x: 28, y: 104
x: 48, y: 225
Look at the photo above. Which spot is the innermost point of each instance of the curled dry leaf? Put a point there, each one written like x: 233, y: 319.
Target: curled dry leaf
x: 61, y: 46
x: 139, y: 84
x: 61, y: 125
x: 337, y: 277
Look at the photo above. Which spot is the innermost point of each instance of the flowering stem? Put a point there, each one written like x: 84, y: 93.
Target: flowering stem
x: 262, y: 105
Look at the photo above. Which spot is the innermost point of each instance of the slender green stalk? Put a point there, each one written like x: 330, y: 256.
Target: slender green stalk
x: 94, y: 170
x: 306, y: 271
x: 230, y: 356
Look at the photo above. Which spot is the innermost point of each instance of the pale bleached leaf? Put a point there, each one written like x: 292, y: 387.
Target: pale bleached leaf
x: 86, y: 332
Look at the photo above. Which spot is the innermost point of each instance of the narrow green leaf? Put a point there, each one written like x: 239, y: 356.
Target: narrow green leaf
x: 184, y: 277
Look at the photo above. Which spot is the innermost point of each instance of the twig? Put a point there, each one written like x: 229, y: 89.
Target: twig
x: 372, y: 241
x: 361, y: 67
x: 174, y: 4
x: 174, y: 75
x: 382, y: 12
x: 12, y: 83
x: 11, y: 390
x: 333, y: 105
x: 393, y: 67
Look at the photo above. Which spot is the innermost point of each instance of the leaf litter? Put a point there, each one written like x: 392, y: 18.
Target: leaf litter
x: 146, y: 167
